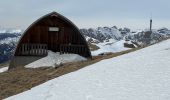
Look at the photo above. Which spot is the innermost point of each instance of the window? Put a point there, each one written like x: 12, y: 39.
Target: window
x: 54, y: 29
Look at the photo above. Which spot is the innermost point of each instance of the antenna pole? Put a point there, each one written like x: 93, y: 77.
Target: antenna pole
x: 151, y: 23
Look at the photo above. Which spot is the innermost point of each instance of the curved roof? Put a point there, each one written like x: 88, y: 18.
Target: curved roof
x: 57, y: 15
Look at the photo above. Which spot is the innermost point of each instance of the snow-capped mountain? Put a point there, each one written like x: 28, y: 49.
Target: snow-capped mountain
x: 112, y: 39
x: 145, y: 37
x: 8, y: 40
x: 105, y: 33
x: 10, y: 31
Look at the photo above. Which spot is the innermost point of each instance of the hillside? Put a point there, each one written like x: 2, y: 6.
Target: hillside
x: 140, y: 75
x: 22, y: 79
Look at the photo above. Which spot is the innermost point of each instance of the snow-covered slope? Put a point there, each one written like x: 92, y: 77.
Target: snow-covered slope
x: 140, y: 75
x: 55, y: 59
x: 110, y: 46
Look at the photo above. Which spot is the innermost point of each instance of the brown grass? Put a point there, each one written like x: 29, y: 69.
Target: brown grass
x: 18, y: 80
x: 93, y: 47
x: 4, y: 64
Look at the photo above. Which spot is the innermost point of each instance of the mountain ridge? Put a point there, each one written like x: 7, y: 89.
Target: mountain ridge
x: 106, y: 36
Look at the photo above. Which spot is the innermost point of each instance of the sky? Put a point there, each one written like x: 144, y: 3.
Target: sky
x: 134, y: 14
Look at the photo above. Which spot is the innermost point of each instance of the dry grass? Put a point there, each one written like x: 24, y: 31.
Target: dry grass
x: 93, y: 47
x: 4, y: 64
x: 18, y: 80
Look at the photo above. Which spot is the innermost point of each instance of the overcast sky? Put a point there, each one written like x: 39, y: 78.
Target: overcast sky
x: 134, y: 14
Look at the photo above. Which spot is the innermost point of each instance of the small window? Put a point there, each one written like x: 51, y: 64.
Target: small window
x: 54, y: 29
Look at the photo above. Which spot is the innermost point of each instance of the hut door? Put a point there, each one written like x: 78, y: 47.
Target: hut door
x: 54, y: 40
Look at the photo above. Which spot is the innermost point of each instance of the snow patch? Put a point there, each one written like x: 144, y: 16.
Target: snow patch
x: 110, y: 46
x: 55, y: 59
x: 4, y: 69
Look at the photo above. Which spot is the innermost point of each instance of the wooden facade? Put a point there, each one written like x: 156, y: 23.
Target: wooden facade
x: 52, y: 32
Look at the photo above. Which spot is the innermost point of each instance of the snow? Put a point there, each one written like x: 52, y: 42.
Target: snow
x: 4, y: 69
x: 15, y: 31
x: 140, y: 75
x: 55, y: 59
x: 110, y: 46
x: 10, y: 31
x: 112, y: 32
x: 9, y: 40
x: 91, y: 40
x: 2, y: 31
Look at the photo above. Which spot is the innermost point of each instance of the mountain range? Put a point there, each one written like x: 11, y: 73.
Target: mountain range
x: 96, y: 37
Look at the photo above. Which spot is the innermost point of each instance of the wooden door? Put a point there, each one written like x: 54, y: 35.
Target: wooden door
x: 54, y: 41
